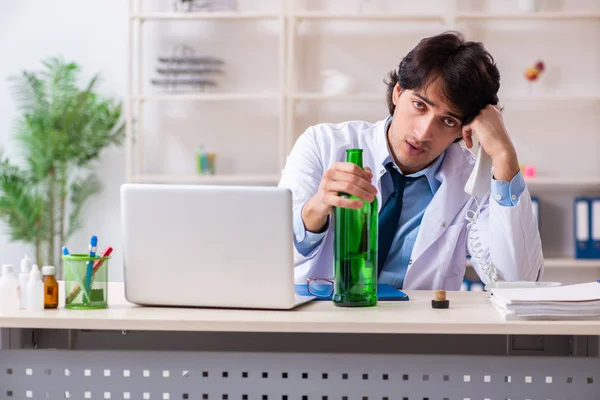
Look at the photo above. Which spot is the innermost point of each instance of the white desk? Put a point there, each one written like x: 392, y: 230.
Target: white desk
x: 469, y: 313
x: 239, y: 374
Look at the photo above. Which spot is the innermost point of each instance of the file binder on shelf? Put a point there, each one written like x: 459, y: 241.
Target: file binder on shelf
x: 472, y: 285
x: 582, y: 225
x: 595, y: 227
x: 464, y: 286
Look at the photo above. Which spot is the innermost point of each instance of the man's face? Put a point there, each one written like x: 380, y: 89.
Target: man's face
x: 423, y: 126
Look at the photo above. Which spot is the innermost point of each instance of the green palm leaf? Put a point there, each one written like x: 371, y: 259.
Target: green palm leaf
x: 20, y: 205
x: 81, y: 190
x: 62, y: 128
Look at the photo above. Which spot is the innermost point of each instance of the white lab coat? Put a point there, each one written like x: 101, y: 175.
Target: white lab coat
x: 509, y: 235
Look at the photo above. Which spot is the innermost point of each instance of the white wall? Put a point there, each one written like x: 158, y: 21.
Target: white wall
x: 92, y: 33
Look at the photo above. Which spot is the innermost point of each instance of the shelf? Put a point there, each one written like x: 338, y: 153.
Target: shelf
x: 207, y: 179
x: 208, y: 96
x: 558, y: 15
x: 565, y: 263
x: 550, y: 97
x: 340, y: 97
x: 563, y: 182
x: 315, y: 15
x: 571, y: 263
x: 381, y: 96
x: 209, y: 15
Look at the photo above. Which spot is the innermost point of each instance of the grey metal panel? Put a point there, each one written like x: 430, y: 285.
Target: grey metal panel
x: 234, y: 375
x: 316, y: 343
x: 11, y: 338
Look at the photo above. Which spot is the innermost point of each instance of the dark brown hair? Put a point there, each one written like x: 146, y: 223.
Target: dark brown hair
x: 469, y: 76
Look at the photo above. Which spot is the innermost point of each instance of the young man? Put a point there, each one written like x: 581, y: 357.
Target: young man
x: 444, y: 91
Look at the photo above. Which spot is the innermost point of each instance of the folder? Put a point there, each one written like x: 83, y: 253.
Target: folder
x: 535, y: 205
x: 595, y: 227
x: 582, y: 222
x: 465, y: 285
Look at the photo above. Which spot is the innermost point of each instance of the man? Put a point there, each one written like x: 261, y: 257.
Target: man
x: 444, y: 91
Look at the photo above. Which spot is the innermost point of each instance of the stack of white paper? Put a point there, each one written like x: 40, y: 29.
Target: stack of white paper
x: 581, y: 301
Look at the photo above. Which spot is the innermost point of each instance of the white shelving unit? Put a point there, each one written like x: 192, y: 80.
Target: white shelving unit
x: 550, y: 98
x: 209, y: 96
x: 289, y: 94
x: 199, y: 16
x: 556, y: 15
x: 338, y: 97
x: 563, y: 183
x: 331, y: 16
x: 571, y: 263
x: 541, y: 99
x: 207, y: 179
x: 137, y: 97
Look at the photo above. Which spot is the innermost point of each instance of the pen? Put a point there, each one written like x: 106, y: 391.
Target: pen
x: 97, y: 265
x: 90, y: 264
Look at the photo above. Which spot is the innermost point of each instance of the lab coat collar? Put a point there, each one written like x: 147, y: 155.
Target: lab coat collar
x: 382, y: 151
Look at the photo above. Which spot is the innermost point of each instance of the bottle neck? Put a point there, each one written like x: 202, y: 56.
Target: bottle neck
x: 355, y: 156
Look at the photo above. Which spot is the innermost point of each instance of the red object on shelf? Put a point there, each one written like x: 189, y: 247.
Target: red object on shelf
x: 529, y: 171
x: 540, y: 66
x: 533, y: 72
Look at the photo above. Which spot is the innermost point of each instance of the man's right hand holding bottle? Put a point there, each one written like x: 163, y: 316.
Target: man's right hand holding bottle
x: 341, y: 177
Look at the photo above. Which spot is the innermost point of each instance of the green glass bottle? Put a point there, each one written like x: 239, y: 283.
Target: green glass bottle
x: 355, y: 254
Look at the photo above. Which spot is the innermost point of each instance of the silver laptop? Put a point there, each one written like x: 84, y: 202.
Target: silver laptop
x: 208, y: 246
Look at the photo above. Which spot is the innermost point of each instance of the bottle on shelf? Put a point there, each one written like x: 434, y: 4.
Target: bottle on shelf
x: 50, y: 287
x: 23, y: 280
x: 205, y: 161
x: 35, y: 290
x: 9, y: 289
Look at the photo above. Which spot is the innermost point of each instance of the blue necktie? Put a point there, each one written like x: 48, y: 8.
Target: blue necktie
x: 389, y: 216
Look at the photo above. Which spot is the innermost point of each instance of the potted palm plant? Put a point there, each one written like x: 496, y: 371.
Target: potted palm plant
x: 61, y: 130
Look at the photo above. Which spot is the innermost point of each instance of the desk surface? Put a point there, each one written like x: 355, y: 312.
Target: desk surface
x: 469, y: 313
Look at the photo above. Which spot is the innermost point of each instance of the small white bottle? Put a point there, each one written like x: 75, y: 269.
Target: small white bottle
x: 23, y: 280
x: 35, y: 290
x: 9, y: 288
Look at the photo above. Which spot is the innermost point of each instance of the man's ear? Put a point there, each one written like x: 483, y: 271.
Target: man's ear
x: 396, y: 94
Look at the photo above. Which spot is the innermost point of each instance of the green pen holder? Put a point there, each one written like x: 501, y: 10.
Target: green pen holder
x: 78, y: 295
